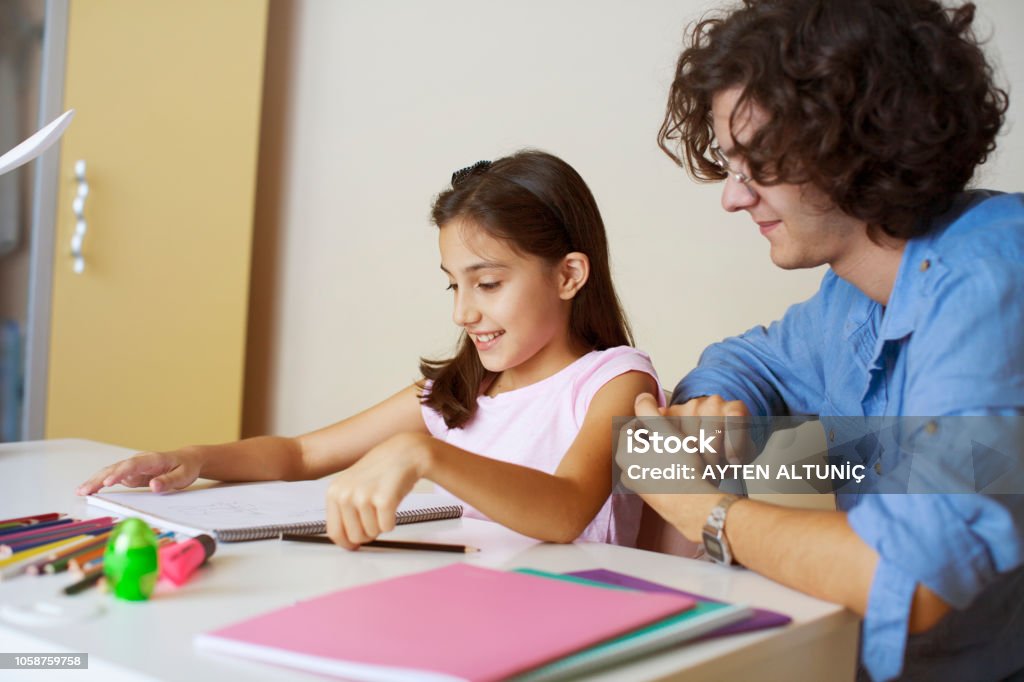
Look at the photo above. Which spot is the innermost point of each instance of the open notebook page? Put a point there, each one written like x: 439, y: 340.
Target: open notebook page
x: 250, y: 511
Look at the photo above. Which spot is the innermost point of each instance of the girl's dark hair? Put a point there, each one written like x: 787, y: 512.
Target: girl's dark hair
x: 886, y: 106
x: 540, y: 206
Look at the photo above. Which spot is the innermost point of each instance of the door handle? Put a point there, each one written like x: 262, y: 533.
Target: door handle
x: 78, y: 206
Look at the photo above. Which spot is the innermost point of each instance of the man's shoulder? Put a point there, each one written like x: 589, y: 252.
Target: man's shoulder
x: 982, y: 224
x: 968, y: 339
x: 977, y: 256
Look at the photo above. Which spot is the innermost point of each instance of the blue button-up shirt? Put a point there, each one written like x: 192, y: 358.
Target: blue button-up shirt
x: 949, y: 343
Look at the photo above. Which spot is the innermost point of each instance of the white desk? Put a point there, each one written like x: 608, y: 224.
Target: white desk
x: 153, y: 640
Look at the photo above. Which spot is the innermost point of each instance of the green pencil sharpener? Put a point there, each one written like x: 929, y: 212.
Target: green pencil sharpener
x: 130, y: 560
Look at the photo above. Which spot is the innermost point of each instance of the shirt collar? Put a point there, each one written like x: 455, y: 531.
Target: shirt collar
x: 869, y: 326
x: 905, y: 301
x: 899, y: 318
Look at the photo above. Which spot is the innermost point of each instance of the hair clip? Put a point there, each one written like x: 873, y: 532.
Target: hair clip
x: 463, y: 173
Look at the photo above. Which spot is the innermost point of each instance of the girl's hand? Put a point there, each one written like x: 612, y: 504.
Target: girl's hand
x: 363, y: 499
x: 161, y: 471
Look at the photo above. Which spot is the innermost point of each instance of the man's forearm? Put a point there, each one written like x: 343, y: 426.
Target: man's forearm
x: 815, y: 552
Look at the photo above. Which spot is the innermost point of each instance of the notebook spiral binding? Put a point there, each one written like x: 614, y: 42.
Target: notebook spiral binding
x: 448, y: 511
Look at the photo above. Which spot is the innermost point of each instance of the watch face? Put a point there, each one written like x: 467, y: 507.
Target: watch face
x: 713, y: 547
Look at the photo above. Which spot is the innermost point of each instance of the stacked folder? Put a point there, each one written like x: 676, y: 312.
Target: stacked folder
x: 463, y: 622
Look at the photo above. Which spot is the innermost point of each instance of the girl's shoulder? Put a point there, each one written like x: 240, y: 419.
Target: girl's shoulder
x: 600, y: 367
x: 613, y: 361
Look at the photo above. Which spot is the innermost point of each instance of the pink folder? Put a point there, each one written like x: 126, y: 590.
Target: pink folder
x: 459, y: 622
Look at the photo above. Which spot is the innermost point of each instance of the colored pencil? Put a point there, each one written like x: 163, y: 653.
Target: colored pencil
x: 82, y: 565
x: 23, y: 546
x: 71, y: 530
x: 18, y: 538
x: 40, y: 552
x: 387, y: 544
x: 17, y: 564
x: 87, y: 581
x: 23, y: 527
x: 60, y: 565
x: 77, y: 564
x: 67, y: 551
x: 38, y: 518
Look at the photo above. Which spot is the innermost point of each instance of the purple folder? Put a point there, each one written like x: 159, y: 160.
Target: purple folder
x: 761, y: 619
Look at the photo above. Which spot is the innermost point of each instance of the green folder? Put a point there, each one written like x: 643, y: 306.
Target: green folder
x: 700, y: 620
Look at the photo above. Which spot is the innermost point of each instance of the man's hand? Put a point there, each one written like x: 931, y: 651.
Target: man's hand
x: 710, y: 413
x: 685, y: 503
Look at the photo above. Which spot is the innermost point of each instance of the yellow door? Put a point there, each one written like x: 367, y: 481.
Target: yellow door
x: 148, y: 340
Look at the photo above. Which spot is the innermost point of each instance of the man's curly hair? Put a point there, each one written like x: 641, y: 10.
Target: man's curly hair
x: 886, y: 106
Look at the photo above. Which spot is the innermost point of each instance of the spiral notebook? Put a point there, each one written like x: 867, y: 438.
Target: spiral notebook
x: 254, y: 511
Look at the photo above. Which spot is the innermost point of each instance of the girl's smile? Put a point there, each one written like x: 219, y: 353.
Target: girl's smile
x: 485, y: 340
x: 509, y: 304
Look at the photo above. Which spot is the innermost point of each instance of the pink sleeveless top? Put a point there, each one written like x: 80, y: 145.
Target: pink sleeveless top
x: 535, y: 425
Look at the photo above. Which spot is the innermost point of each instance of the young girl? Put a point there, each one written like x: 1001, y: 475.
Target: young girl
x: 518, y: 424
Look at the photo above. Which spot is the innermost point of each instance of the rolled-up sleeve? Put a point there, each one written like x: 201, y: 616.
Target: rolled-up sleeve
x: 886, y: 620
x: 966, y: 353
x: 955, y: 545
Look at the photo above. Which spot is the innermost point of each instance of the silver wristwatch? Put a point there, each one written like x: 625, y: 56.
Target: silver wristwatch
x: 716, y: 545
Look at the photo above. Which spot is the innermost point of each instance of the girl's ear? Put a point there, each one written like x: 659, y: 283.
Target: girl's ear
x: 573, y: 272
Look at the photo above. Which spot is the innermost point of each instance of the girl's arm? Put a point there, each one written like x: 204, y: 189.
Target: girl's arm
x: 553, y: 507
x: 268, y: 458
x: 340, y: 445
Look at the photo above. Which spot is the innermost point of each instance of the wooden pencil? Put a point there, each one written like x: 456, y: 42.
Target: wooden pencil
x: 19, y: 542
x: 61, y: 564
x: 77, y: 564
x: 387, y: 544
x: 19, y: 562
x: 66, y: 550
x: 87, y: 581
x: 26, y: 520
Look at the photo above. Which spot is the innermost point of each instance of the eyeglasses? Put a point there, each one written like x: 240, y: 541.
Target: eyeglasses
x: 722, y: 161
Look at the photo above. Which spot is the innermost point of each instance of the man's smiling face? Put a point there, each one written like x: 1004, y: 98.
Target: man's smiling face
x: 803, y: 231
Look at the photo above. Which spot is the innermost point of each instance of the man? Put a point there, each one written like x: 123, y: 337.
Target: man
x: 848, y: 131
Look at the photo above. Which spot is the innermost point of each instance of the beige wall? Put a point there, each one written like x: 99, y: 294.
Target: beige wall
x: 371, y: 105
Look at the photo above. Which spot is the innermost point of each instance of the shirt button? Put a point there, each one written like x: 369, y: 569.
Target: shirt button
x: 925, y: 264
x: 878, y: 467
x: 832, y: 435
x: 931, y: 427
